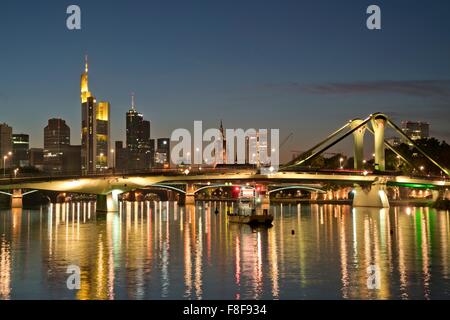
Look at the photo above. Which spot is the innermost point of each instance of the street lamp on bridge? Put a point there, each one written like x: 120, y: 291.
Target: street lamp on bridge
x: 4, y: 165
x: 114, y: 160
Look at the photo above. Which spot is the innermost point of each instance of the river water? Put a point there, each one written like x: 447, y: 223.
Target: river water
x: 159, y: 250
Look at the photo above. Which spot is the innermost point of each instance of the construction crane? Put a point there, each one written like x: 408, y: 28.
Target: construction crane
x: 286, y: 140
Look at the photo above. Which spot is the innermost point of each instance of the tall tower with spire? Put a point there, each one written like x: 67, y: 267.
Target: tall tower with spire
x: 85, y: 82
x: 95, y: 129
x: 137, y: 139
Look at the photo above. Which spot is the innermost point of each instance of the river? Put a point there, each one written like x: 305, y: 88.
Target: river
x: 159, y: 250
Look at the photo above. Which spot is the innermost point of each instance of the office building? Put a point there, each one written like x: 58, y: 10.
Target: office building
x: 56, y: 139
x: 137, y: 139
x: 416, y: 130
x: 162, y: 154
x: 72, y: 160
x: 5, y: 145
x: 95, y: 129
x: 20, y: 149
x: 152, y: 153
x: 36, y: 158
x: 121, y: 157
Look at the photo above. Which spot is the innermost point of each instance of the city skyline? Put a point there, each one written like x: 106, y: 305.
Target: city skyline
x: 217, y: 155
x: 216, y: 73
x: 132, y: 109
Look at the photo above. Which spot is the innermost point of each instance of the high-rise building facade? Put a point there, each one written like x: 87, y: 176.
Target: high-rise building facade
x: 5, y: 145
x: 21, y: 147
x: 137, y: 139
x: 95, y: 130
x: 56, y: 140
x: 121, y: 157
x: 72, y: 160
x: 416, y: 130
x: 152, y: 153
x: 36, y: 158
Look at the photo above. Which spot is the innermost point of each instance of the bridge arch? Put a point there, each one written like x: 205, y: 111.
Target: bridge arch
x: 221, y: 185
x: 168, y: 187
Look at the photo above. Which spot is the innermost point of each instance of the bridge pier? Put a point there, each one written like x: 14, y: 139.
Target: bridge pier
x: 189, y: 198
x: 17, y: 199
x: 375, y: 197
x: 108, y: 202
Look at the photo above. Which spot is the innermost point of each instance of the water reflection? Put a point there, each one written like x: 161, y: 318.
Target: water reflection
x: 158, y: 250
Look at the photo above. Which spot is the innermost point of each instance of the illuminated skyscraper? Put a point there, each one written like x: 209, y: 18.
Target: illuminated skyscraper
x: 137, y: 139
x: 95, y: 129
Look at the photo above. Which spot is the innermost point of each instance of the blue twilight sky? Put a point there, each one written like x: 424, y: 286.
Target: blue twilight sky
x: 302, y: 66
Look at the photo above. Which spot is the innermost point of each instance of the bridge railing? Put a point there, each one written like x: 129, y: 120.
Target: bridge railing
x: 17, y: 177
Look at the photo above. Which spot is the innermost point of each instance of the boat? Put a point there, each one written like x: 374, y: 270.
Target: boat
x: 249, y: 211
x: 253, y: 219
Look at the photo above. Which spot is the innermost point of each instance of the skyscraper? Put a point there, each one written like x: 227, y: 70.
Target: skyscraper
x: 95, y: 129
x: 5, y: 145
x: 137, y: 139
x: 56, y: 139
x: 20, y: 147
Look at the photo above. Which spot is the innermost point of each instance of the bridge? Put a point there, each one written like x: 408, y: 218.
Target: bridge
x: 369, y: 188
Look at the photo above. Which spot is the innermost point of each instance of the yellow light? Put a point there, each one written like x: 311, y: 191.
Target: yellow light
x: 103, y: 111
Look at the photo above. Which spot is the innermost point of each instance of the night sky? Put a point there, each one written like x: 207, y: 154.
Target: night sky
x: 301, y: 66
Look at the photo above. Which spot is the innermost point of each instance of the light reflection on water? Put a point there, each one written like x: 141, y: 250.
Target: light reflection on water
x: 158, y: 250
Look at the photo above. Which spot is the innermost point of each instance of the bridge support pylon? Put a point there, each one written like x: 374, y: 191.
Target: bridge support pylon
x: 108, y: 202
x: 17, y: 199
x: 379, y: 124
x: 358, y: 138
x: 375, y: 197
